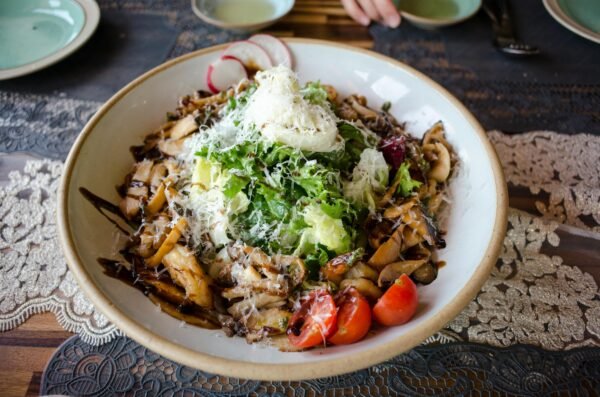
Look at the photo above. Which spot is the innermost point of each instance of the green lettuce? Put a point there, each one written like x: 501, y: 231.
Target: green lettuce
x: 406, y: 184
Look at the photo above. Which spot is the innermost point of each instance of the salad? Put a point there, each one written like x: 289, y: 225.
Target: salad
x: 282, y: 212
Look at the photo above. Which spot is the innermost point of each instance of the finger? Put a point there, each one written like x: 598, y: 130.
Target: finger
x: 388, y: 11
x: 369, y: 9
x: 355, y: 12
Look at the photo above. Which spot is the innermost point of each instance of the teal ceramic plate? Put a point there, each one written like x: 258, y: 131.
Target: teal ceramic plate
x: 579, y: 16
x: 37, y: 33
x: 431, y: 14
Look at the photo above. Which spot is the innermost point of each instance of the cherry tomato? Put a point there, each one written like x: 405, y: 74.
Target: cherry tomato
x: 398, y: 304
x: 314, y: 322
x: 353, y: 318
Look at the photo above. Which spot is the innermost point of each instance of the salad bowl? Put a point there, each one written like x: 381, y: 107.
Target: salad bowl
x: 100, y: 157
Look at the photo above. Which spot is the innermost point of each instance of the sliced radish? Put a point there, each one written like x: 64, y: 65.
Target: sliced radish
x: 250, y: 54
x: 278, y: 51
x: 224, y: 73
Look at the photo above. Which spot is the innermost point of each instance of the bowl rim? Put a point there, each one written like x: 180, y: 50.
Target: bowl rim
x: 239, y: 26
x: 280, y: 372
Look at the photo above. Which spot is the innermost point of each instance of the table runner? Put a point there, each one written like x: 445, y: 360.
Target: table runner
x: 124, y: 367
x: 544, y: 288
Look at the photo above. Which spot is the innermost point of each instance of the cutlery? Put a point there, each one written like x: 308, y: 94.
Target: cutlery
x: 504, y: 34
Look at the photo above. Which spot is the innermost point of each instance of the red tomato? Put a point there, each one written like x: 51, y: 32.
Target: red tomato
x: 398, y: 304
x: 314, y: 322
x: 353, y: 319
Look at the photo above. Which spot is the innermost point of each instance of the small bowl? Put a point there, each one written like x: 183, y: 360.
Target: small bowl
x: 432, y: 14
x: 241, y: 16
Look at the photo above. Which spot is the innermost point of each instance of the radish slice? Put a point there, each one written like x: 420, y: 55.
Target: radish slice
x: 278, y: 51
x: 250, y: 54
x: 224, y: 73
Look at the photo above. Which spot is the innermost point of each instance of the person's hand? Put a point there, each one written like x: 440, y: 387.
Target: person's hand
x: 364, y: 11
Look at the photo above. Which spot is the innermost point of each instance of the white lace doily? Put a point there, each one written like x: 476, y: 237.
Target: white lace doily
x: 34, y: 277
x: 531, y: 297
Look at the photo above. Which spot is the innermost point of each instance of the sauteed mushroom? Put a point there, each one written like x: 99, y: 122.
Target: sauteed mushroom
x: 440, y: 169
x: 425, y: 274
x: 389, y: 251
x: 391, y: 272
x: 366, y: 287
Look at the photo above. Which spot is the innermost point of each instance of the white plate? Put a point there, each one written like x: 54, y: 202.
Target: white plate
x: 564, y: 18
x: 91, y: 15
x: 100, y: 158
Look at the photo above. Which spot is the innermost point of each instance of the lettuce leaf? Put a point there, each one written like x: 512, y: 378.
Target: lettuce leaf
x: 406, y: 183
x: 315, y: 93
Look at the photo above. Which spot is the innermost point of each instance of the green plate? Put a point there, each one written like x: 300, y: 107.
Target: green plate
x: 580, y: 16
x: 37, y: 33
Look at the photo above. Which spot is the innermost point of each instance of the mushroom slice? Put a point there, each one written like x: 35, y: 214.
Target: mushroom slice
x: 366, y: 287
x: 258, y: 301
x: 362, y: 270
x: 137, y: 191
x: 293, y: 266
x: 435, y: 134
x: 160, y: 228
x: 440, y: 167
x: 410, y: 238
x: 157, y: 201
x: 129, y: 207
x: 396, y: 211
x: 195, y: 317
x: 379, y: 233
x: 335, y: 269
x: 165, y: 290
x: 244, y: 274
x: 186, y: 272
x: 389, y: 194
x: 389, y: 251
x: 425, y: 274
x: 159, y: 172
x: 256, y: 256
x: 172, y: 166
x: 171, y: 147
x: 274, y: 321
x: 262, y: 286
x: 345, y: 112
x: 391, y: 272
x: 331, y: 92
x: 365, y: 112
x: 142, y: 171
x: 183, y: 127
x: 145, y: 248
x: 168, y: 244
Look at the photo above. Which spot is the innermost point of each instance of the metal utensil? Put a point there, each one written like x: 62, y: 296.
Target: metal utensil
x: 504, y: 35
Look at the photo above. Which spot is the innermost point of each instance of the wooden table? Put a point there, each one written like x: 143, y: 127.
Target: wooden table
x: 24, y: 352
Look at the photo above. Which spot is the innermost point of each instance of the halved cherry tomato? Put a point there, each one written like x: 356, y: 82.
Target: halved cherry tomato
x: 353, y: 318
x: 398, y: 304
x: 314, y: 322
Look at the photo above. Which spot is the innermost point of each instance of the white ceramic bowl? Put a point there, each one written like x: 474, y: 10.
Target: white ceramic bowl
x: 100, y: 158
